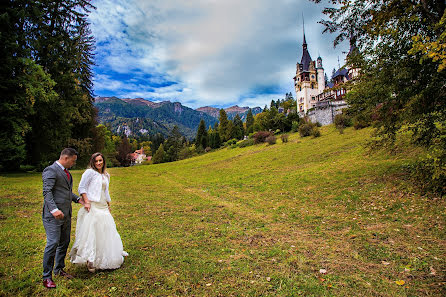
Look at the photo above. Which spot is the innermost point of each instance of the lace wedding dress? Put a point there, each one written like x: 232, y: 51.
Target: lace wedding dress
x: 97, y: 240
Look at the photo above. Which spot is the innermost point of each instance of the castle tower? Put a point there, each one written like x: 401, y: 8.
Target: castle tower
x: 353, y: 71
x: 306, y: 81
x: 320, y: 76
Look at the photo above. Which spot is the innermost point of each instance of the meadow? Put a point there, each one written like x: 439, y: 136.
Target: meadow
x: 311, y: 217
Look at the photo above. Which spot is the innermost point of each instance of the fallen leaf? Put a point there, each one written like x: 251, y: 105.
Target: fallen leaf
x: 433, y: 272
x: 400, y: 282
x: 268, y: 278
x: 208, y: 285
x: 323, y: 271
x: 385, y: 263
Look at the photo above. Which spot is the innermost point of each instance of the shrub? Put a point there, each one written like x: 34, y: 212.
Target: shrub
x: 315, y: 132
x: 146, y: 162
x: 305, y: 129
x: 428, y: 172
x: 245, y: 143
x: 318, y: 124
x: 277, y: 132
x: 342, y: 121
x: 271, y: 139
x: 284, y: 138
x: 295, y: 126
x: 261, y: 136
x: 361, y: 121
x: 27, y: 168
x: 208, y: 149
x: 230, y: 142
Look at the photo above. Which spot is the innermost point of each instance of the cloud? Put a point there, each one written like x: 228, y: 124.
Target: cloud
x: 216, y: 52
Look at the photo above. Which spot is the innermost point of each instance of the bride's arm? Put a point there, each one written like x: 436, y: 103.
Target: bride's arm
x: 83, y: 185
x: 87, y: 204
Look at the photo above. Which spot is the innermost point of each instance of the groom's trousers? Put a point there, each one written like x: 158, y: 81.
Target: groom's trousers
x: 57, y: 241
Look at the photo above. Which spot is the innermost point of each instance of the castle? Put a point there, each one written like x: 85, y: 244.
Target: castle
x: 317, y: 98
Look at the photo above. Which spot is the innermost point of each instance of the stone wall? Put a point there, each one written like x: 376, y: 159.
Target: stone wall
x: 325, y: 114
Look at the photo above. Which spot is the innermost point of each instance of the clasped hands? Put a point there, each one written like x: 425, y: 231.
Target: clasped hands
x: 86, y: 205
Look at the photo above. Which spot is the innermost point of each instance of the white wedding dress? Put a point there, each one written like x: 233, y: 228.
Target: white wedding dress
x: 97, y: 240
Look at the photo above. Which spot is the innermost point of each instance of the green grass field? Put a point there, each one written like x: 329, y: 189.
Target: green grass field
x: 258, y: 221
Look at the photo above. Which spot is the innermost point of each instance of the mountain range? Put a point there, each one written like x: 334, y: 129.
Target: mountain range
x: 138, y: 116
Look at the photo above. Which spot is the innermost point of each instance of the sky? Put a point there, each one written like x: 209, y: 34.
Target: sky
x: 216, y: 53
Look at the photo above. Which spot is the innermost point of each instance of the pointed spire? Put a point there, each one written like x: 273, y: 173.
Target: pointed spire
x: 306, y: 58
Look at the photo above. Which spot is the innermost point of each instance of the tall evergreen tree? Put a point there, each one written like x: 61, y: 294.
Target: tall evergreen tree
x: 45, y: 78
x: 249, y: 122
x: 273, y: 104
x: 223, y: 126
x: 202, y: 136
x: 239, y: 130
x: 173, y: 144
x: 124, y: 149
x: 159, y: 156
x: 156, y: 140
x: 214, y: 137
x: 230, y: 131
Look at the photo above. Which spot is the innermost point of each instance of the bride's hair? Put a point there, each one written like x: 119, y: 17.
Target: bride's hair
x: 93, y: 160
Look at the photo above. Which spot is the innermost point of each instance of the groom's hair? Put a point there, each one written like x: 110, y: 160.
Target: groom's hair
x: 69, y: 152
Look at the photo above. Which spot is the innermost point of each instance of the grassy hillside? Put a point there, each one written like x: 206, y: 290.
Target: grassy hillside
x: 258, y: 221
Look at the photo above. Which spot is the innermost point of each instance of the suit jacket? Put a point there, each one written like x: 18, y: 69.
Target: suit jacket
x: 57, y: 191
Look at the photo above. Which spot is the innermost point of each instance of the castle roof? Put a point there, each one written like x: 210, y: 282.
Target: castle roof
x: 341, y: 72
x: 306, y: 58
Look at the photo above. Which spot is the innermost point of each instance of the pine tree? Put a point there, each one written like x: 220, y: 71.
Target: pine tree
x: 272, y: 104
x: 214, y: 137
x: 124, y: 150
x: 223, y: 126
x: 202, y: 136
x: 249, y: 122
x: 230, y: 131
x: 159, y: 155
x: 173, y: 144
x: 45, y: 78
x: 238, y: 127
x: 156, y: 140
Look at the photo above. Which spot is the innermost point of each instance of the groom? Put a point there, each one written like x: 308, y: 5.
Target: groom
x: 56, y: 215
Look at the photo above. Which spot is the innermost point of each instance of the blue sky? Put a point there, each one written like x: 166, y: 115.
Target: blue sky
x: 206, y: 52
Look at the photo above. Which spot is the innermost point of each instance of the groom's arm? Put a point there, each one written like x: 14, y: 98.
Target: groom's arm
x: 49, y: 180
x: 75, y: 198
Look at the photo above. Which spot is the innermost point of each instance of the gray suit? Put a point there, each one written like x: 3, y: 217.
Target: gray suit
x: 57, y: 193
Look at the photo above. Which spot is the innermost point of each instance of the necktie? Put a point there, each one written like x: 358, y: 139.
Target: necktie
x: 68, y: 174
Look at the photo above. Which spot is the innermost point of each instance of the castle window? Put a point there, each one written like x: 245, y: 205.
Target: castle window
x: 312, y: 86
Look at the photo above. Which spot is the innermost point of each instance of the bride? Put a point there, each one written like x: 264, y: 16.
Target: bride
x: 97, y: 243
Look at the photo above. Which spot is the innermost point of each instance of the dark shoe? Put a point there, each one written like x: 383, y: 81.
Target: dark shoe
x: 48, y: 283
x: 64, y: 274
